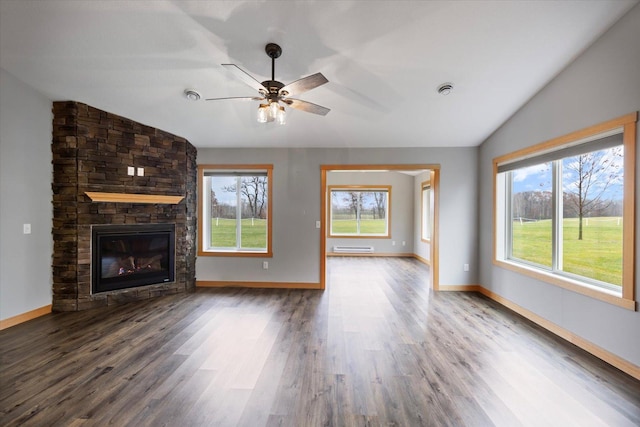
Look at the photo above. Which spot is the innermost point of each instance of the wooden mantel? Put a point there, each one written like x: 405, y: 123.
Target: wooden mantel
x: 133, y: 198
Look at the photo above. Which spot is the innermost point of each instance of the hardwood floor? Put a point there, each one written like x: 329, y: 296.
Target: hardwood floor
x: 376, y: 348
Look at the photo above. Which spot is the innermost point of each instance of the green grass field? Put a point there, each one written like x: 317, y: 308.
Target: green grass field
x: 223, y: 233
x: 598, y: 255
x: 367, y: 226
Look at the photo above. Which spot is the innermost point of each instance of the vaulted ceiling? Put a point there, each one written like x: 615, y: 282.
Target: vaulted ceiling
x: 384, y: 61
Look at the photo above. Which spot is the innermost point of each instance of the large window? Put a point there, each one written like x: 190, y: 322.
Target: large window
x: 359, y: 211
x: 564, y: 210
x: 236, y: 210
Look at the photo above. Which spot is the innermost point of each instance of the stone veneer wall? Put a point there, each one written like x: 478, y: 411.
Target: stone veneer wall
x: 91, y: 152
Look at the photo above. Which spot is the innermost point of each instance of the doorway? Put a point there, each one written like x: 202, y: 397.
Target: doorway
x: 418, y: 172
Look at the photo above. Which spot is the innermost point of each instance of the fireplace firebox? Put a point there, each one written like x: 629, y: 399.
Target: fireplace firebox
x: 127, y: 256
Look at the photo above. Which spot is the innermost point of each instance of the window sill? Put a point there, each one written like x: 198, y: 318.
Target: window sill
x: 358, y: 236
x: 267, y: 254
x: 571, y: 285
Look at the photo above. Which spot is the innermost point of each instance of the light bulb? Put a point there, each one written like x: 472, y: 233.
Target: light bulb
x: 281, y: 116
x: 273, y: 109
x: 262, y: 113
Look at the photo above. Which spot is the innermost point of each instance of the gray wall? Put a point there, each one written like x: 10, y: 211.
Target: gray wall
x: 402, y: 201
x: 25, y: 198
x: 296, y: 198
x: 601, y: 84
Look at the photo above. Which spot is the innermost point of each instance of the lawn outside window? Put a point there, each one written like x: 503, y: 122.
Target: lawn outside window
x: 235, y: 210
x: 564, y: 211
x: 359, y: 211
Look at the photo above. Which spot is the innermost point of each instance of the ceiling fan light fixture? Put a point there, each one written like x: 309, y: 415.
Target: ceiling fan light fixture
x: 273, y: 108
x: 281, y: 118
x: 445, y: 88
x: 263, y: 113
x: 192, y: 94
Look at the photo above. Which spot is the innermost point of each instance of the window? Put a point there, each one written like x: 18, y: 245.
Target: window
x: 426, y: 222
x: 564, y: 210
x: 359, y: 211
x: 235, y: 206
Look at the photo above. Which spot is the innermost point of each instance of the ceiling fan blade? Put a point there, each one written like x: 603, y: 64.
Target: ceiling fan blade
x: 245, y: 77
x: 304, y: 84
x: 306, y: 106
x: 246, y: 98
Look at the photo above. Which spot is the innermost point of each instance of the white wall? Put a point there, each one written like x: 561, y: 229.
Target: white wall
x: 601, y: 84
x: 25, y: 197
x: 401, y: 210
x: 296, y: 198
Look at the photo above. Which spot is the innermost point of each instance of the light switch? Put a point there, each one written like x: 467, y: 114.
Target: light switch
x: 140, y: 171
x: 131, y: 171
x: 317, y: 224
x: 26, y: 228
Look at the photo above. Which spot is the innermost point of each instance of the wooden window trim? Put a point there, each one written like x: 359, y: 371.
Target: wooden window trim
x: 626, y: 300
x: 386, y: 188
x: 201, y: 197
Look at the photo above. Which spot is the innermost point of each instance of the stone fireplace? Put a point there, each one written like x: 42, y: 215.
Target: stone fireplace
x: 94, y: 154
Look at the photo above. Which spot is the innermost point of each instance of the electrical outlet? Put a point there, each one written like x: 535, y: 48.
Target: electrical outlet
x: 265, y: 265
x: 404, y: 243
x: 393, y: 243
x: 465, y: 267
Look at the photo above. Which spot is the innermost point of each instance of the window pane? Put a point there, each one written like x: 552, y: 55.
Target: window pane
x: 373, y: 212
x: 531, y: 214
x: 223, y: 211
x: 253, y: 196
x: 343, y: 212
x: 592, y: 210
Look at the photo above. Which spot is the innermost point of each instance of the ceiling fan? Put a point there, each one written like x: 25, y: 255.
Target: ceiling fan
x: 273, y: 93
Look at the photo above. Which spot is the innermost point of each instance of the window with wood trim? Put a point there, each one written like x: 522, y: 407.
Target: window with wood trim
x: 235, y: 206
x: 359, y: 211
x: 565, y: 211
x: 426, y: 212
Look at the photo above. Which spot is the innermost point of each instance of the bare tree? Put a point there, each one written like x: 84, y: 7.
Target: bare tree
x: 214, y: 205
x: 254, y: 191
x: 594, y: 173
x: 380, y: 198
x: 353, y: 201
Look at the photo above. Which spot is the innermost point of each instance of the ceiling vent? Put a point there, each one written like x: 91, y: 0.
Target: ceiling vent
x: 445, y: 88
x: 191, y: 94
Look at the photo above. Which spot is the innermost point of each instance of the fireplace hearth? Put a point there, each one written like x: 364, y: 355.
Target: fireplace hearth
x: 128, y: 256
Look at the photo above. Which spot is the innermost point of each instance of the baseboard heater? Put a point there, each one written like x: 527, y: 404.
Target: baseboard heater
x: 353, y: 249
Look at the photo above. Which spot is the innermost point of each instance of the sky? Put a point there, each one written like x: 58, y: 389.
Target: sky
x: 538, y: 178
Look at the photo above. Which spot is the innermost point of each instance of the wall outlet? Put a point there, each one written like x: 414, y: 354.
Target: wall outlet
x: 265, y: 265
x: 26, y: 228
x: 465, y: 267
x: 404, y: 243
x: 393, y: 243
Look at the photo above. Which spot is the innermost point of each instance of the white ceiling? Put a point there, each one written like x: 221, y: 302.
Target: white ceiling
x: 384, y: 61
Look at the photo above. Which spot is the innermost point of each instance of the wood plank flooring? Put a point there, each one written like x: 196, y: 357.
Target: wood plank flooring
x: 377, y: 348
